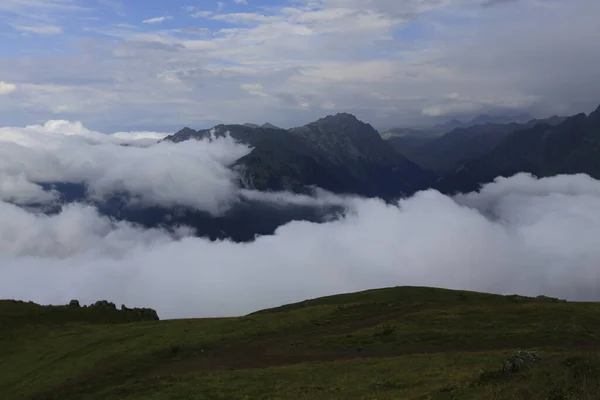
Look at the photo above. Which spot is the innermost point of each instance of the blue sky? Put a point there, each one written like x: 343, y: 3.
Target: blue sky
x: 159, y: 65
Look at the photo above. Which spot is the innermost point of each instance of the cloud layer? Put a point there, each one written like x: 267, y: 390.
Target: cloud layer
x: 195, y: 175
x: 516, y: 235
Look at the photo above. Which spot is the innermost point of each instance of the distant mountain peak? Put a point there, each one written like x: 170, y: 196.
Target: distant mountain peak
x: 268, y: 125
x: 500, y: 119
x: 341, y: 125
x: 186, y: 129
x: 595, y: 115
x: 340, y: 118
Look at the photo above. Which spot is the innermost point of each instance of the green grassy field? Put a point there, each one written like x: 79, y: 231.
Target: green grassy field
x: 397, y: 343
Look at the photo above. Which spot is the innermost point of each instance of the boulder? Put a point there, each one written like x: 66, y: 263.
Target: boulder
x: 146, y: 314
x: 520, y: 361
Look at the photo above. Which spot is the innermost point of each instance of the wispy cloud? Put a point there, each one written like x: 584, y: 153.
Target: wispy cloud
x: 157, y: 20
x: 29, y: 7
x: 196, y: 12
x: 40, y: 29
x: 115, y: 5
x: 201, y: 14
x: 7, y: 88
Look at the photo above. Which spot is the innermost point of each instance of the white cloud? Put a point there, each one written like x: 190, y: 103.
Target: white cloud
x: 7, y: 88
x: 157, y: 20
x: 244, y: 18
x: 202, y: 14
x: 40, y: 29
x: 241, y: 2
x: 29, y: 8
x: 18, y: 190
x: 195, y: 12
x: 77, y: 231
x: 254, y: 88
x: 518, y: 235
x: 434, y: 111
x: 195, y: 174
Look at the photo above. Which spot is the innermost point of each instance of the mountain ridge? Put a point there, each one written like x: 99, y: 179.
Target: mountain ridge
x: 446, y: 153
x: 571, y: 147
x: 338, y: 153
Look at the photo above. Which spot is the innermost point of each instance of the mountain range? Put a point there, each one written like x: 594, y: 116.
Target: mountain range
x: 344, y: 155
x: 445, y: 127
x: 337, y: 153
x: 570, y: 147
x: 446, y: 153
x: 341, y: 154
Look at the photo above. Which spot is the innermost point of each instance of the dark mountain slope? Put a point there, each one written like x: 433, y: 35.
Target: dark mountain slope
x: 570, y: 147
x: 246, y: 218
x: 279, y: 160
x: 500, y: 119
x: 408, y: 144
x: 409, y: 132
x: 482, y: 120
x: 358, y: 149
x: 448, y: 126
x: 448, y: 152
x: 337, y: 153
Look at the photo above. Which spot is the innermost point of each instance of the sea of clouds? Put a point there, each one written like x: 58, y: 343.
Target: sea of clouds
x: 516, y: 235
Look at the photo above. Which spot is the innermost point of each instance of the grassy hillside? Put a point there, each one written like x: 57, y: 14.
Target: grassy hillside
x: 397, y: 343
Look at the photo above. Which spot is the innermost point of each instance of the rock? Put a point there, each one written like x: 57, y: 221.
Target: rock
x: 74, y: 304
x: 520, y: 361
x: 149, y: 314
x: 550, y: 299
x: 103, y: 304
x: 146, y: 314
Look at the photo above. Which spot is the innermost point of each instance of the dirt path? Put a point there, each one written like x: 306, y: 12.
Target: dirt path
x: 288, y: 349
x: 260, y: 355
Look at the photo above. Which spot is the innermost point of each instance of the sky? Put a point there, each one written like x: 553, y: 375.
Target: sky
x: 160, y: 65
x: 516, y: 235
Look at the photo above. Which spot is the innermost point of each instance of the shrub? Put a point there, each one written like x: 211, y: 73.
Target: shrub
x: 175, y: 349
x: 520, y: 361
x: 74, y: 304
x: 550, y: 299
x: 385, y: 329
x: 104, y: 304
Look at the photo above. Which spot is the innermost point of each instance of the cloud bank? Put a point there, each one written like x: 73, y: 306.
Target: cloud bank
x: 516, y: 235
x: 195, y: 175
